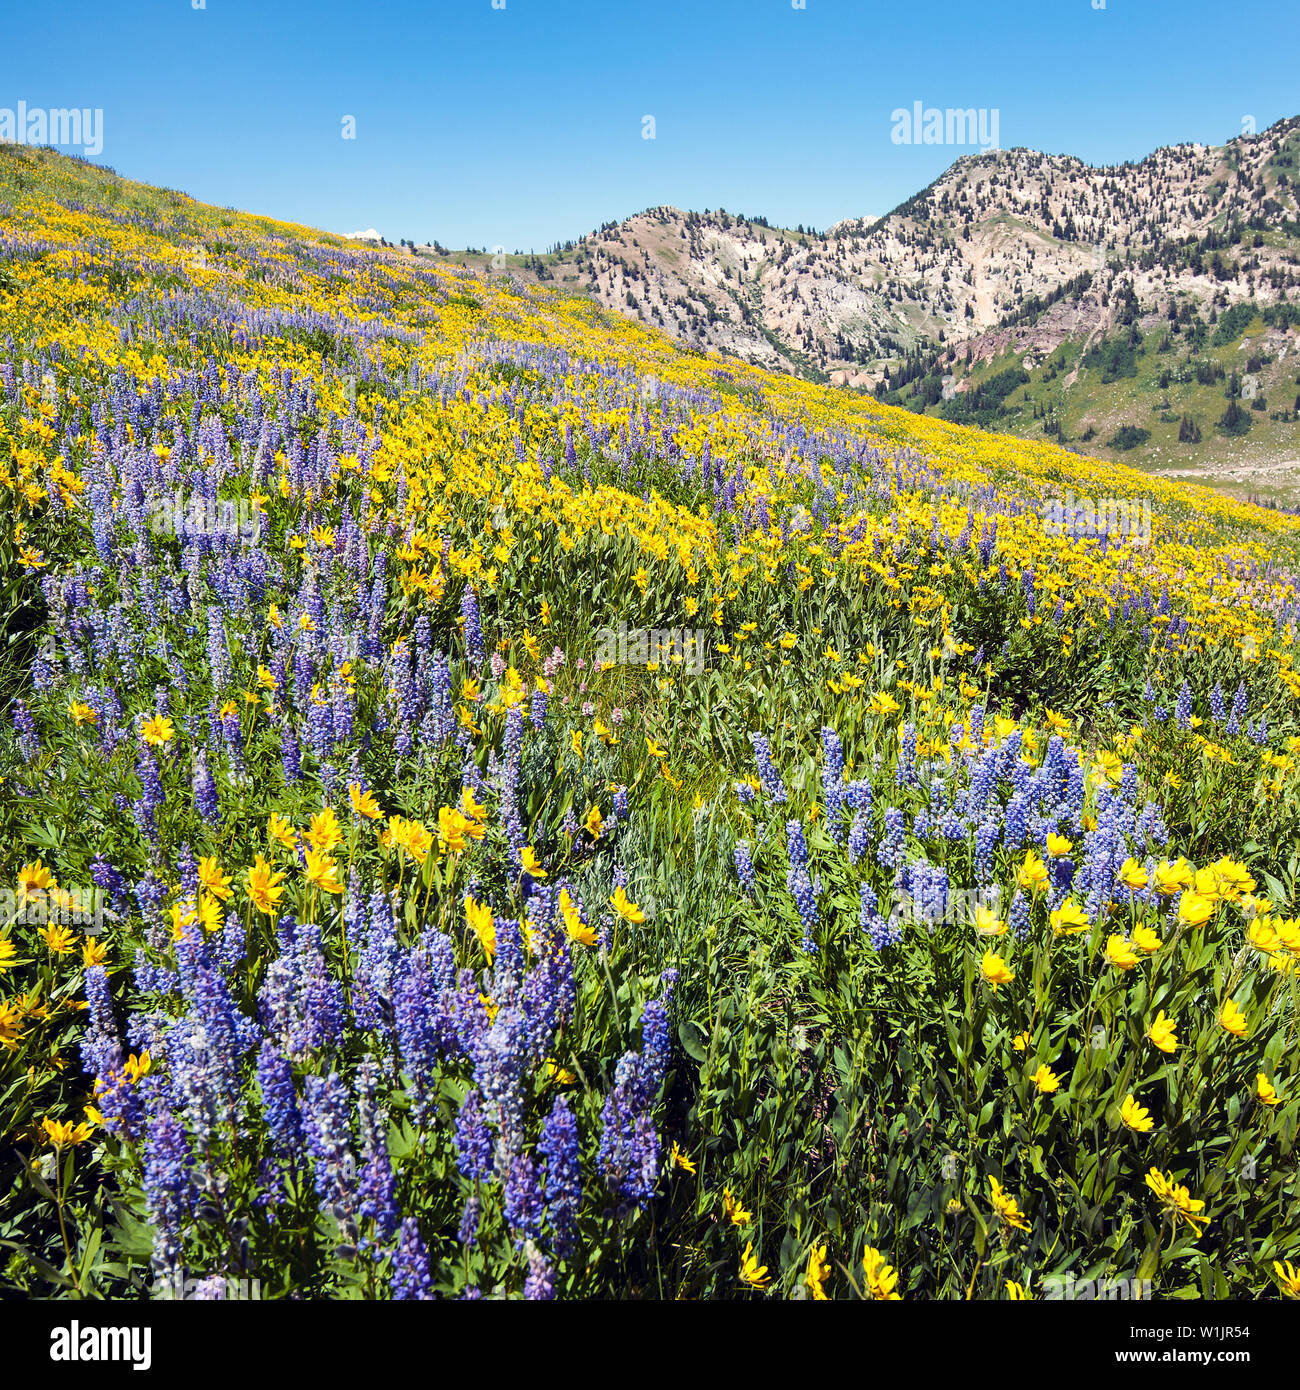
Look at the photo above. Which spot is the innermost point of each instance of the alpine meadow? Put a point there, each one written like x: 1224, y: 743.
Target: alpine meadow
x: 498, y: 800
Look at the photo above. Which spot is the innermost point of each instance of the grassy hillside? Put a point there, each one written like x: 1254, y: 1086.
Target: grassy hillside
x: 1155, y: 392
x: 497, y: 804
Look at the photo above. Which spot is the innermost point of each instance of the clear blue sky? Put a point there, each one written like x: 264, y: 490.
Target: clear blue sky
x: 523, y: 126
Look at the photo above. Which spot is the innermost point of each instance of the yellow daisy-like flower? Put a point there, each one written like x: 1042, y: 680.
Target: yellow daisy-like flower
x: 1032, y: 874
x: 265, y: 886
x: 1232, y: 1019
x: 680, y: 1160
x: 322, y: 871
x: 1264, y: 1090
x: 1134, y: 1116
x: 1288, y: 1280
x: 1046, y: 1080
x: 326, y: 833
x: 734, y: 1210
x: 624, y: 906
x: 1146, y: 939
x: 882, y: 1278
x: 1195, y: 908
x: 995, y: 970
x: 593, y: 824
x: 1017, y: 1293
x: 1162, y: 1033
x: 64, y: 1134
x: 157, y: 730
x: 32, y: 879
x: 1120, y: 954
x: 573, y: 923
x: 817, y: 1273
x: 211, y: 877
x: 1006, y: 1206
x: 753, y: 1273
x: 363, y: 802
x: 279, y: 829
x: 482, y: 923
x: 60, y: 940
x: 528, y: 863
x: 1068, y: 919
x: 988, y: 923
x: 1133, y: 875
x: 1177, y: 1200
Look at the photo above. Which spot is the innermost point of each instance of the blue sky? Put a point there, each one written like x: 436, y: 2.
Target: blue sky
x: 522, y: 126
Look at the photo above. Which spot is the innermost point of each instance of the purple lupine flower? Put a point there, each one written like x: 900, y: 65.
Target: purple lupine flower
x: 410, y: 1277
x: 562, y: 1176
x: 168, y: 1184
x: 767, y: 773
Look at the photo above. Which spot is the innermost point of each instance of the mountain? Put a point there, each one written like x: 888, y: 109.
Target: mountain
x: 1011, y: 264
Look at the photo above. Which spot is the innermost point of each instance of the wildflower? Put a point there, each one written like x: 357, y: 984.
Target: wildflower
x: 157, y: 730
x: 1022, y: 1040
x: 1162, y: 1034
x: 625, y: 908
x: 1264, y: 1090
x: 32, y: 879
x: 528, y: 862
x: 1006, y: 1207
x: 1016, y: 1293
x: 1058, y: 845
x: 1176, y: 1199
x: 1132, y: 874
x: 988, y: 923
x: 1032, y: 874
x: 573, y: 923
x: 1287, y: 1277
x: 1046, y: 1080
x: 211, y: 877
x: 322, y: 872
x: 1232, y: 1018
x: 995, y: 970
x: 325, y: 833
x: 735, y: 1210
x: 264, y: 886
x: 1134, y: 1116
x: 882, y: 1279
x: 593, y: 824
x: 279, y: 829
x: 9, y: 953
x: 1195, y: 908
x: 753, y: 1273
x: 482, y: 923
x: 817, y: 1273
x: 1146, y: 939
x: 680, y: 1160
x: 1120, y: 954
x: 1170, y: 878
x: 1068, y: 919
x: 58, y: 939
x: 363, y: 802
x: 63, y: 1133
